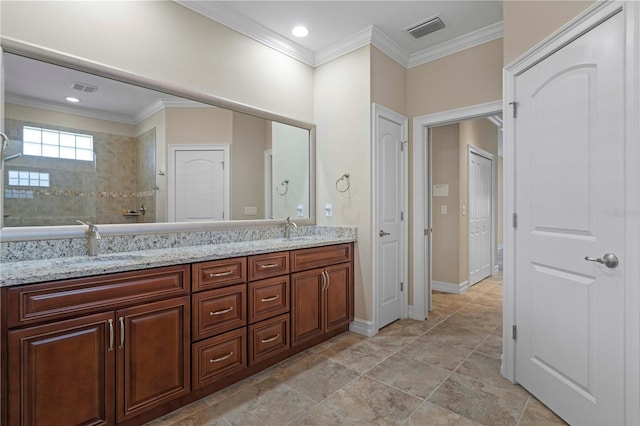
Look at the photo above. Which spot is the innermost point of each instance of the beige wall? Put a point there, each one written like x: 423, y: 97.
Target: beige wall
x: 526, y: 23
x: 247, y: 173
x: 445, y: 154
x: 388, y: 82
x: 343, y: 133
x: 470, y: 77
x: 169, y: 43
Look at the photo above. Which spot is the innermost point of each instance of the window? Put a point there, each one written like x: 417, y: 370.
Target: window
x: 56, y: 144
x: 18, y: 193
x: 26, y: 178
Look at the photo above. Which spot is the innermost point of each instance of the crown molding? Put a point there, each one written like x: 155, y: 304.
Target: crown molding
x: 52, y: 106
x: 389, y: 47
x: 370, y: 35
x: 163, y: 103
x: 230, y: 18
x: 356, y: 41
x: 474, y: 38
x: 141, y: 115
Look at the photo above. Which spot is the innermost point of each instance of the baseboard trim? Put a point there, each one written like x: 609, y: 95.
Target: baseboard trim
x: 366, y: 328
x: 410, y: 312
x: 450, y: 287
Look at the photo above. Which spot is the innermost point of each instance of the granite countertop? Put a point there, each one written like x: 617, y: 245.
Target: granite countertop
x: 34, y: 271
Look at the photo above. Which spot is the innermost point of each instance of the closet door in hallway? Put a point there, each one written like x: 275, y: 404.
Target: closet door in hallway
x: 480, y: 216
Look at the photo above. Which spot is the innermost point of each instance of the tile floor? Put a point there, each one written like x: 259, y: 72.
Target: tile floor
x: 444, y: 371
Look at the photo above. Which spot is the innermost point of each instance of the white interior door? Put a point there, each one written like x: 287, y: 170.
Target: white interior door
x: 390, y: 269
x: 569, y: 143
x: 199, y: 185
x: 480, y: 216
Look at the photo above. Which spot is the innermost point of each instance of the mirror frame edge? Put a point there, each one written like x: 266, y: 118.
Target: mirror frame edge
x: 33, y: 233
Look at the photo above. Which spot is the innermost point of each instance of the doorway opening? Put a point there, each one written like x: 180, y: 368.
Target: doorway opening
x: 466, y: 202
x: 426, y: 189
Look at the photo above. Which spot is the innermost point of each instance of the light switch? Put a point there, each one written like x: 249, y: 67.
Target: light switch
x: 250, y: 211
x: 443, y: 209
x: 328, y: 210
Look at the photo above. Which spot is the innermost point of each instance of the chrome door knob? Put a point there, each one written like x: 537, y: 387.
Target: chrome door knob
x: 382, y: 233
x: 609, y: 260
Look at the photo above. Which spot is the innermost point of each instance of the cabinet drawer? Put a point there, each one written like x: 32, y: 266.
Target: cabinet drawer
x: 219, y: 273
x: 268, y: 298
x: 268, y: 338
x: 217, y: 311
x: 61, y: 299
x: 218, y: 357
x: 320, y: 256
x: 268, y: 265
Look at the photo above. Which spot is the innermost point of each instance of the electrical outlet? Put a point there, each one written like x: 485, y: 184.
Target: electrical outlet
x: 443, y: 209
x: 328, y: 210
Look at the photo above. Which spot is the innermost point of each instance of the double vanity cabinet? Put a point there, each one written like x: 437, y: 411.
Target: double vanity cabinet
x: 128, y: 347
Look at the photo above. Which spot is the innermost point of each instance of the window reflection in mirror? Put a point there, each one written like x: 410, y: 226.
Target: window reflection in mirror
x: 104, y: 159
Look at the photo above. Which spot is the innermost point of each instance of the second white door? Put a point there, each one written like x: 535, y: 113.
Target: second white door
x: 199, y: 185
x: 390, y: 273
x: 480, y: 216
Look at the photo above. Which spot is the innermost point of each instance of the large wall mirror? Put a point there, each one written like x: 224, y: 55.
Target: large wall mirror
x: 85, y: 147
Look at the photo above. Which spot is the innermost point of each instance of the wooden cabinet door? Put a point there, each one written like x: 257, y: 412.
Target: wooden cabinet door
x: 153, y: 346
x: 339, y: 296
x: 62, y: 373
x: 307, y: 305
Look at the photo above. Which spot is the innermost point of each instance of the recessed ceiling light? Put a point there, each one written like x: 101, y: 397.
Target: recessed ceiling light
x: 300, y: 31
x: 72, y: 99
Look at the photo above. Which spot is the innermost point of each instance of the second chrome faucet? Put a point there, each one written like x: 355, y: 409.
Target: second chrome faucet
x: 92, y: 238
x: 287, y: 227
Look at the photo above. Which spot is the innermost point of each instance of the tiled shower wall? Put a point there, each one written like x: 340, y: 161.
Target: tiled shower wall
x: 98, y: 191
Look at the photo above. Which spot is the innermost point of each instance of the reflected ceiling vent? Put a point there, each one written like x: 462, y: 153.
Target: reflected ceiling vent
x: 427, y: 27
x: 84, y: 87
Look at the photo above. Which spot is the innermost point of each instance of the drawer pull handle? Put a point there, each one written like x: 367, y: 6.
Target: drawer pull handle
x: 121, y: 333
x: 270, y: 339
x: 111, y: 336
x: 270, y: 299
x: 220, y: 274
x: 224, y: 311
x: 269, y: 265
x: 222, y: 358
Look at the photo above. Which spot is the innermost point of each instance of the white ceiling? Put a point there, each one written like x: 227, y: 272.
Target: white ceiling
x: 338, y: 26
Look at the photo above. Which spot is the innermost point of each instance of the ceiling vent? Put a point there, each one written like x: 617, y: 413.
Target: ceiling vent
x: 427, y: 27
x: 84, y: 87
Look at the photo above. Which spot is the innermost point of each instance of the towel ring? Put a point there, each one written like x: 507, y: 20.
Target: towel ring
x: 346, y: 183
x: 284, y: 183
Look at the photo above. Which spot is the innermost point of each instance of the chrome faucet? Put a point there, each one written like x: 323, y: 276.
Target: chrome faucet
x: 92, y: 238
x: 287, y: 227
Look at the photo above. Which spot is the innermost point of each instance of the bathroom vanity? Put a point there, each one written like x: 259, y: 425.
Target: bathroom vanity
x: 128, y: 347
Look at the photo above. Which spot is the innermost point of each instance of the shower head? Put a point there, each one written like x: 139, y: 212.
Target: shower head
x: 12, y: 157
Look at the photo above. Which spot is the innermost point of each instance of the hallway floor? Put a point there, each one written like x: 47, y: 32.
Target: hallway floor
x: 444, y: 371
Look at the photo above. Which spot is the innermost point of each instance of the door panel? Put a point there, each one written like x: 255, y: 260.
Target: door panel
x: 199, y: 183
x: 569, y: 177
x: 44, y: 360
x: 306, y: 306
x: 153, y: 355
x: 339, y: 296
x: 390, y: 169
x: 480, y: 217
